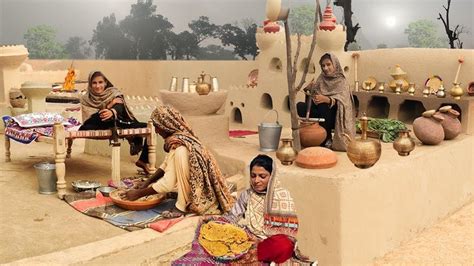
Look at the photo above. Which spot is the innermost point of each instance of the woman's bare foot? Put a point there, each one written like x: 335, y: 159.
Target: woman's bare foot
x: 143, y: 166
x: 173, y: 213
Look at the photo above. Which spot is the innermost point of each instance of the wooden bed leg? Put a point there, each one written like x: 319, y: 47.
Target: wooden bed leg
x: 69, y: 148
x: 7, y: 149
x: 151, y: 141
x: 59, y: 157
x: 116, y: 163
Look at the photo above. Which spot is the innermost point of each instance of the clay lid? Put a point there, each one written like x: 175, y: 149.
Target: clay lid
x: 445, y: 109
x: 428, y: 113
x: 316, y: 158
x: 398, y: 71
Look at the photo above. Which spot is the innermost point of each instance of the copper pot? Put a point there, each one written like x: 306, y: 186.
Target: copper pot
x: 311, y: 133
x: 286, y: 153
x: 404, y: 144
x: 363, y: 152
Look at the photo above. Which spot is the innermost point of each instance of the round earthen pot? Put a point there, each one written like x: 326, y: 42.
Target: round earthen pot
x: 311, y: 134
x: 428, y: 128
x: 451, y: 124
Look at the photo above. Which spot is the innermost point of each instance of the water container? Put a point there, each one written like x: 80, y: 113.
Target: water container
x: 269, y: 134
x: 46, y: 173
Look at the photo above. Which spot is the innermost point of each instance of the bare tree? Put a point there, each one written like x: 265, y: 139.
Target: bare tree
x: 453, y: 35
x: 351, y: 30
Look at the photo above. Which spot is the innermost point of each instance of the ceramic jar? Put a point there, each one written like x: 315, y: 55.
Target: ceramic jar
x: 363, y: 152
x: 17, y: 99
x: 311, y: 134
x: 428, y: 128
x: 286, y: 153
x: 451, y: 124
x: 404, y: 144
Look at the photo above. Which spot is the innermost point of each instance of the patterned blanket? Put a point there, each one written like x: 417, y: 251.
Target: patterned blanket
x: 96, y: 205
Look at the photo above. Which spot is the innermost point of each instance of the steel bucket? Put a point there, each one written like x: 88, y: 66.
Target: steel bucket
x: 269, y: 134
x: 46, y: 174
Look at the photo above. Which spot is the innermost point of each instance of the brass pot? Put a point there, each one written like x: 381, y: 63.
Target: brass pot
x: 404, y: 144
x: 202, y: 87
x: 456, y: 91
x: 363, y: 152
x: 286, y: 153
x: 311, y: 133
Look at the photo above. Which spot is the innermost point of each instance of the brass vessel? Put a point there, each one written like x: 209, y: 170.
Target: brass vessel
x: 411, y: 89
x: 441, y: 93
x: 363, y: 152
x: 456, y: 91
x: 202, y: 87
x: 381, y: 87
x: 404, y: 144
x: 286, y: 153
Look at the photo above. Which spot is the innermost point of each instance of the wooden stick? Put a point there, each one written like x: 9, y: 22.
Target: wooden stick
x: 460, y: 60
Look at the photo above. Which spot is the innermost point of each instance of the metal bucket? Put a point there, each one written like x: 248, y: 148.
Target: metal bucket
x: 269, y: 134
x: 46, y: 173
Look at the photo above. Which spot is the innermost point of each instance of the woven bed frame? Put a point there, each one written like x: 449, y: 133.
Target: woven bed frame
x: 62, y: 143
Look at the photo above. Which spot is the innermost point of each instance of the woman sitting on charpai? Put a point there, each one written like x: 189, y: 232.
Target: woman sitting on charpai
x: 189, y: 168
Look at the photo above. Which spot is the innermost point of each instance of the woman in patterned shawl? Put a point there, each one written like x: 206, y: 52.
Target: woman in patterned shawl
x: 333, y: 101
x: 189, y: 167
x: 103, y: 107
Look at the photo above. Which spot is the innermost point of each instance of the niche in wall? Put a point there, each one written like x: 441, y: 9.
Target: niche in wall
x: 455, y: 107
x: 236, y: 115
x: 311, y: 68
x: 409, y: 110
x: 378, y: 107
x: 276, y: 65
x: 266, y: 101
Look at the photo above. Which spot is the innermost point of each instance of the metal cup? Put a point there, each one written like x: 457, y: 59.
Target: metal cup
x: 185, y: 87
x: 215, y: 84
x: 173, y: 84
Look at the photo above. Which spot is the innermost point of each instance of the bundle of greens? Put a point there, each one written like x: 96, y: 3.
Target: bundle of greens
x: 386, y: 128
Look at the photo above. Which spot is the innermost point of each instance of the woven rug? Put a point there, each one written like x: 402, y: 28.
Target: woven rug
x: 96, y: 205
x: 241, y: 133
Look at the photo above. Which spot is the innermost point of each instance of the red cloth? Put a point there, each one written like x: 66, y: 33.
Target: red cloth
x: 241, y: 133
x: 162, y: 225
x: 277, y: 248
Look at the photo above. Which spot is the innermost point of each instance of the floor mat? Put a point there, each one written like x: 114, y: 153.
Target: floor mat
x: 96, y: 205
x: 241, y: 133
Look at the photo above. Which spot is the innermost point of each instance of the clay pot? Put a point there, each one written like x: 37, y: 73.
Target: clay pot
x: 17, y: 99
x: 363, y: 152
x: 451, y: 124
x: 286, y: 153
x: 428, y: 128
x: 316, y: 158
x: 271, y: 27
x: 404, y: 144
x: 311, y: 134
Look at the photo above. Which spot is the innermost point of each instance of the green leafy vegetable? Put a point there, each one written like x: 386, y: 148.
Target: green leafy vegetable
x: 386, y: 128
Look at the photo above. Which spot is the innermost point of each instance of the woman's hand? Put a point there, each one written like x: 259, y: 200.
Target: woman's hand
x: 105, y: 114
x: 318, y: 98
x: 114, y: 101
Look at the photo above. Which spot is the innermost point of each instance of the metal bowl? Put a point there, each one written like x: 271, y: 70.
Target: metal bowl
x: 85, y: 185
x: 106, y: 190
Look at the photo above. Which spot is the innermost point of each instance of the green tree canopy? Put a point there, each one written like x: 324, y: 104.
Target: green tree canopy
x: 41, y: 43
x: 183, y: 46
x: 423, y: 33
x: 77, y: 48
x: 301, y: 19
x: 243, y: 40
x: 203, y: 29
x: 109, y: 40
x: 381, y: 46
x: 215, y: 52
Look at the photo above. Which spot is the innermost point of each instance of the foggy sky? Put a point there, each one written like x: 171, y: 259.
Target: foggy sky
x: 382, y: 21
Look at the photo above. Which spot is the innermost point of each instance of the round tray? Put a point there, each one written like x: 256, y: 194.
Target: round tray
x: 225, y: 258
x: 136, y: 205
x: 84, y: 185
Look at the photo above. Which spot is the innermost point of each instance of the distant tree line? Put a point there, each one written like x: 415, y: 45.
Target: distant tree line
x: 144, y: 34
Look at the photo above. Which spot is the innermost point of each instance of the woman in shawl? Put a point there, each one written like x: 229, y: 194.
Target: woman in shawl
x: 103, y: 107
x: 188, y: 168
x: 332, y: 100
x: 267, y: 211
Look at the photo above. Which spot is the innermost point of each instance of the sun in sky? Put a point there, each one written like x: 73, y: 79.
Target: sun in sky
x: 390, y: 21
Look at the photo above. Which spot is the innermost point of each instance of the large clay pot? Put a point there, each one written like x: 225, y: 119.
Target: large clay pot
x: 428, y: 128
x: 311, y: 134
x: 451, y: 124
x: 17, y: 99
x: 286, y: 153
x: 404, y: 144
x: 363, y: 152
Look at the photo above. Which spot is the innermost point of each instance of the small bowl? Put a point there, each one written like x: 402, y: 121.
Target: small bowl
x: 85, y: 185
x: 106, y: 190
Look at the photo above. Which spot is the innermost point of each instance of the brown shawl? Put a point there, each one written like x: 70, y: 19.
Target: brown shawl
x: 208, y: 188
x: 336, y: 87
x: 92, y: 102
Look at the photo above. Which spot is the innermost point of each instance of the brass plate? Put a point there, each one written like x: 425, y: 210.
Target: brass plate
x: 434, y: 82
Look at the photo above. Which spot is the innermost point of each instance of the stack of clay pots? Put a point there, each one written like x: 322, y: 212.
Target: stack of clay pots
x: 433, y: 127
x: 451, y: 124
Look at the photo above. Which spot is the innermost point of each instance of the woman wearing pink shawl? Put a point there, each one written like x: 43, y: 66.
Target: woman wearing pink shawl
x: 331, y: 100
